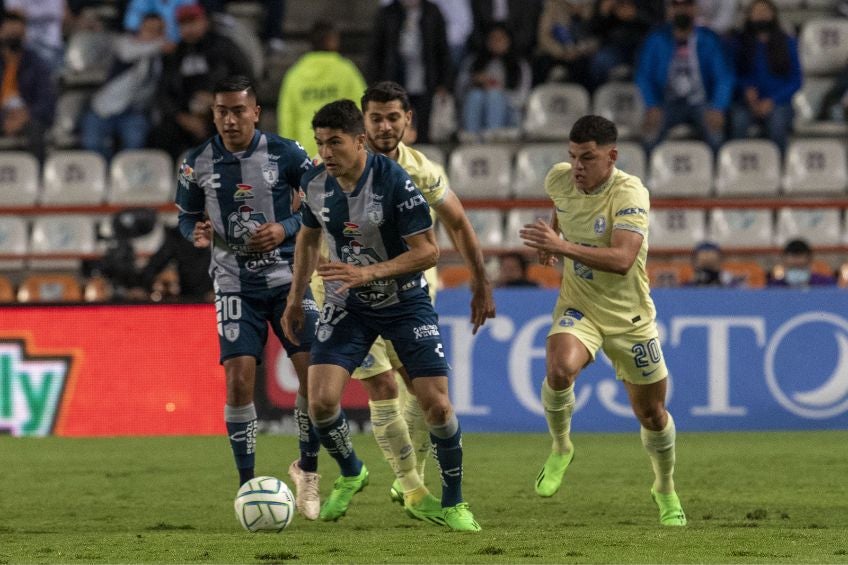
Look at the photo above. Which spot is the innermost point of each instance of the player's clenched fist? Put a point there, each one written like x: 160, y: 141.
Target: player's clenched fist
x: 202, y: 234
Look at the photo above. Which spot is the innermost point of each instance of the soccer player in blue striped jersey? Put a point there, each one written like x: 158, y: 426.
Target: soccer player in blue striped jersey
x: 237, y: 193
x: 380, y: 236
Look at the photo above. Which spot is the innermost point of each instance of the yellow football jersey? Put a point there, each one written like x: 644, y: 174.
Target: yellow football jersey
x: 614, y: 302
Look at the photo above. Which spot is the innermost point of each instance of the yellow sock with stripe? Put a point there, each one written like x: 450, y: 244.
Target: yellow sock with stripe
x: 419, y: 432
x: 660, y: 448
x: 559, y: 406
x: 392, y: 436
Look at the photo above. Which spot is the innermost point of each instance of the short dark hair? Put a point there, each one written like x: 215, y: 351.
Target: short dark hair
x: 520, y: 258
x: 797, y: 247
x: 319, y: 32
x: 593, y: 128
x: 235, y: 83
x: 386, y: 91
x: 341, y: 114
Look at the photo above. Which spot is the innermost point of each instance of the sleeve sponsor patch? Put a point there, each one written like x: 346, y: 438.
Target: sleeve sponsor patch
x: 630, y: 212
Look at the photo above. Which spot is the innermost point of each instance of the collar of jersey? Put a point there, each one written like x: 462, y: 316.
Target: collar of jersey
x: 603, y: 188
x: 228, y: 156
x: 361, y: 182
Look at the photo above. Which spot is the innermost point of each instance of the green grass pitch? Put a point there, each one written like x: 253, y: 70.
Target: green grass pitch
x: 777, y: 497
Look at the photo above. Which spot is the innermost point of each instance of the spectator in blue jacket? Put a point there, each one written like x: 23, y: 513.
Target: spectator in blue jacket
x: 27, y: 92
x: 137, y: 10
x: 768, y: 72
x: 684, y: 77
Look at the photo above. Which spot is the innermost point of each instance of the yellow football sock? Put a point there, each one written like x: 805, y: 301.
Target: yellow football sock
x: 660, y: 448
x: 559, y: 406
x: 419, y: 431
x: 393, y: 438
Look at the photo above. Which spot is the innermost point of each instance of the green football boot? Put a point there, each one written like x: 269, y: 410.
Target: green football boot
x: 671, y: 512
x: 549, y: 478
x: 396, y: 492
x: 428, y: 509
x: 460, y: 519
x: 343, y: 490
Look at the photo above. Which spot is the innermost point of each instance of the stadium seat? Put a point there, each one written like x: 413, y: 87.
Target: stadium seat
x: 141, y: 176
x: 432, y: 152
x: 50, y: 288
x: 532, y: 164
x: 681, y: 168
x: 18, y: 178
x: 823, y: 45
x: 621, y: 103
x: 734, y: 228
x: 487, y: 224
x: 748, y: 167
x: 452, y: 276
x: 88, y: 58
x: 819, y: 226
x: 75, y: 178
x: 807, y: 104
x: 815, y: 166
x: 552, y: 109
x: 672, y: 228
x: 749, y: 274
x: 669, y: 274
x: 64, y: 234
x: 481, y: 171
x: 69, y: 108
x: 14, y: 240
x: 546, y: 276
x: 631, y: 159
x: 516, y: 219
x: 7, y: 290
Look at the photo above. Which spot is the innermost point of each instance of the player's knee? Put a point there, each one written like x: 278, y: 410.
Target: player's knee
x: 239, y: 388
x: 651, y: 416
x: 381, y: 387
x: 562, y: 374
x: 321, y: 408
x: 438, y: 413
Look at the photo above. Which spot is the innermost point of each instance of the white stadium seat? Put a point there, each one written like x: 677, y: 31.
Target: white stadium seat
x: 815, y: 166
x: 63, y: 234
x: 488, y: 225
x: 807, y: 104
x: 14, y: 240
x: 18, y: 178
x: 74, y: 177
x: 823, y: 45
x: 681, y: 168
x: 733, y: 228
x: 552, y: 109
x: 673, y: 228
x: 621, y: 103
x: 818, y: 226
x: 481, y: 171
x: 631, y: 159
x: 141, y: 176
x: 532, y: 164
x: 748, y: 167
x: 517, y: 218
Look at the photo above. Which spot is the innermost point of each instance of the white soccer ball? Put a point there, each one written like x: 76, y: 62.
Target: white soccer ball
x: 264, y: 504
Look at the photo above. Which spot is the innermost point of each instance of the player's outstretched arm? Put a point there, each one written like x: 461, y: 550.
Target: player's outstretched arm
x: 617, y: 258
x: 306, y: 251
x: 452, y: 215
x: 423, y: 253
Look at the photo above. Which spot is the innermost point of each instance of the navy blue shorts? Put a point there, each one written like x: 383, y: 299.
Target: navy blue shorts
x: 346, y: 334
x: 243, y: 320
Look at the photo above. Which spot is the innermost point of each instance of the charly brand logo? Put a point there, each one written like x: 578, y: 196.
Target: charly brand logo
x: 31, y: 387
x: 787, y: 356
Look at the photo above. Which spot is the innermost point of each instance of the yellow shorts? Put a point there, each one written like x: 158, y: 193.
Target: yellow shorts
x: 636, y: 355
x: 382, y: 356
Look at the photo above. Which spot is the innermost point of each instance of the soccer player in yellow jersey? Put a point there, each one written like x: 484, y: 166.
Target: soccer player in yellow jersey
x: 604, y: 302
x: 388, y: 114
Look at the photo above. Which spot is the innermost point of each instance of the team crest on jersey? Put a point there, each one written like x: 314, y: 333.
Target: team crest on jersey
x: 270, y: 173
x: 231, y: 332
x: 600, y: 225
x: 351, y: 230
x: 355, y: 254
x: 243, y: 192
x: 374, y: 211
x: 324, y: 332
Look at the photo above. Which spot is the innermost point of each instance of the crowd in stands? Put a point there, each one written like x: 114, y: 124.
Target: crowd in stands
x: 722, y: 69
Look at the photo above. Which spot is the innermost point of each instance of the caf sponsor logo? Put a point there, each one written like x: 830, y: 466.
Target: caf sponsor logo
x: 31, y: 387
x: 243, y: 192
x: 231, y: 332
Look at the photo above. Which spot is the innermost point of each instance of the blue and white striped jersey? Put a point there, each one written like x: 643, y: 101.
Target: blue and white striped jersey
x: 239, y: 192
x: 367, y: 225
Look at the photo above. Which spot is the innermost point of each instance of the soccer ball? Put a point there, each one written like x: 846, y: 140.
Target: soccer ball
x: 264, y: 504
